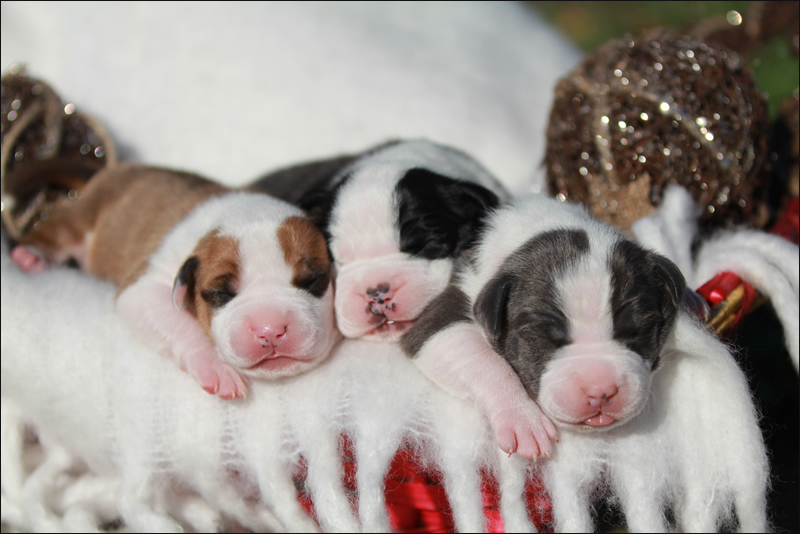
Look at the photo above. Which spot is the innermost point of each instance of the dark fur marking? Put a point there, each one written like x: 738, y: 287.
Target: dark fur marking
x: 221, y: 292
x: 315, y: 280
x: 186, y: 276
x: 439, y: 216
x: 451, y: 306
x: 648, y: 290
x: 520, y: 310
x: 292, y: 183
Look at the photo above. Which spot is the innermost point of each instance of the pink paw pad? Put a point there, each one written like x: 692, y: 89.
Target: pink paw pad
x: 28, y: 259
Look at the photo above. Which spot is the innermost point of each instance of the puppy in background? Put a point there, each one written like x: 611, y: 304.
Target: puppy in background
x: 231, y: 284
x: 555, y: 308
x: 395, y: 217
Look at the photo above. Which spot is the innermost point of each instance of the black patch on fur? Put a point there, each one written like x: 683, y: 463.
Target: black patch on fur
x: 519, y: 308
x: 451, y: 306
x: 292, y: 183
x: 315, y: 281
x: 438, y: 216
x: 186, y: 276
x: 648, y: 290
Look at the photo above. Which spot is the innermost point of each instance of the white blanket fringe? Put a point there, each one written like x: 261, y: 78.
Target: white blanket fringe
x: 126, y: 434
x: 768, y: 262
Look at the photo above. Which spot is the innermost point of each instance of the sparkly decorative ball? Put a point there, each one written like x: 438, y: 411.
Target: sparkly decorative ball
x: 642, y: 113
x: 49, y: 150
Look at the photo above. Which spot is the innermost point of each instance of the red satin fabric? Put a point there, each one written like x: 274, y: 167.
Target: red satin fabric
x: 416, y: 500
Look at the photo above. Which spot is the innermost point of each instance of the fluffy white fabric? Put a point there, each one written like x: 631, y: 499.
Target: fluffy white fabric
x: 768, y: 262
x: 236, y: 89
x: 150, y: 435
x: 230, y: 90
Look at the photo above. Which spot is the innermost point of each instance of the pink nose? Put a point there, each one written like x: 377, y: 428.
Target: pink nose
x: 598, y: 396
x: 270, y: 335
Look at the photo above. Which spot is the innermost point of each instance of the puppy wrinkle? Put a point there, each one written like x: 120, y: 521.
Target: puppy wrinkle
x: 218, y: 268
x: 306, y: 252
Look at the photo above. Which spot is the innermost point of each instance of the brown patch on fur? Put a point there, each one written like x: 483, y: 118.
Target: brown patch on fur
x: 215, y: 279
x: 120, y: 219
x: 305, y: 251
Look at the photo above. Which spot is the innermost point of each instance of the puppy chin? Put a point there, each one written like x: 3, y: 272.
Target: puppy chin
x: 594, y: 387
x: 379, y: 298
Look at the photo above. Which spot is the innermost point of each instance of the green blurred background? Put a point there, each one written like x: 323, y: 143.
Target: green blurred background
x: 590, y: 24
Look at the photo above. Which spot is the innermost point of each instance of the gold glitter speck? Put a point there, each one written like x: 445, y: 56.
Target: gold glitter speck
x: 69, y: 109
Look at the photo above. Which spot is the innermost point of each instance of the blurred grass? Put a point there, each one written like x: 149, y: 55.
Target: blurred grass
x: 590, y: 24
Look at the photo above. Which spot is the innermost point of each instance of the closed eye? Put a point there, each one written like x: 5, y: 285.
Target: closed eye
x: 549, y: 324
x: 220, y: 293
x: 315, y: 282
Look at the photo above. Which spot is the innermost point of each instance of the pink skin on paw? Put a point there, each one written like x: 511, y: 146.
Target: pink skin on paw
x: 28, y: 260
x: 523, y: 429
x: 216, y: 377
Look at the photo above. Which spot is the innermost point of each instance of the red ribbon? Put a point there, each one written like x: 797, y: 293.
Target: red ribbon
x: 723, y: 284
x: 416, y: 500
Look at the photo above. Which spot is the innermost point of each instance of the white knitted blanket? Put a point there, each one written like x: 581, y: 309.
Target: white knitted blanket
x: 231, y: 91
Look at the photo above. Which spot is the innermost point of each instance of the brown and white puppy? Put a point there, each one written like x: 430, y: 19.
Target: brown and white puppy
x: 396, y: 217
x: 229, y: 283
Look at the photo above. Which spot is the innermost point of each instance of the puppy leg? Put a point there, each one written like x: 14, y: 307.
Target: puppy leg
x: 147, y: 305
x: 55, y: 241
x: 460, y: 361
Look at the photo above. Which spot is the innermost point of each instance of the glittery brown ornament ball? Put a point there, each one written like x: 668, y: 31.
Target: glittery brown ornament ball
x: 49, y: 150
x: 642, y: 113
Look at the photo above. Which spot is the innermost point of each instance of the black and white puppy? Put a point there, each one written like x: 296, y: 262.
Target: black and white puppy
x: 555, y: 308
x: 395, y: 218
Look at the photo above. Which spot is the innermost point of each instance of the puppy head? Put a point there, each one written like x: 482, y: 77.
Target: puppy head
x: 394, y: 233
x: 582, y: 316
x: 262, y: 292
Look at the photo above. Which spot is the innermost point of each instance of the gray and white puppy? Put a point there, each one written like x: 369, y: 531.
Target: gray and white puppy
x: 553, y: 318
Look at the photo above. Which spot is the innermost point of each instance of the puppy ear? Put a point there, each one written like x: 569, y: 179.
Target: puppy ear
x: 183, y: 287
x: 439, y: 216
x: 672, y: 279
x: 491, y: 307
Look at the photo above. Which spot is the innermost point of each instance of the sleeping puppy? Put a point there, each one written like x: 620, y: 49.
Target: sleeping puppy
x: 395, y: 217
x: 555, y: 308
x: 229, y: 283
